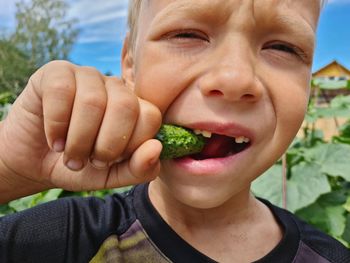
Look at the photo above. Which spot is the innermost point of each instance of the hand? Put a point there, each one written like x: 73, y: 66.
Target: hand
x: 76, y: 129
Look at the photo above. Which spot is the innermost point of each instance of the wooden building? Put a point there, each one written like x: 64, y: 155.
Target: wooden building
x: 330, y: 81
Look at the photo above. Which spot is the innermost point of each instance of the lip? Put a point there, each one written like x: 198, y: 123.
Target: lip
x: 210, y: 166
x: 227, y: 129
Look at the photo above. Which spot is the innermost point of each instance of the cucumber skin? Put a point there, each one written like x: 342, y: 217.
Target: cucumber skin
x: 178, y: 141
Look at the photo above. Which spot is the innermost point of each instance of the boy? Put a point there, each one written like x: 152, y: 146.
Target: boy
x: 236, y: 70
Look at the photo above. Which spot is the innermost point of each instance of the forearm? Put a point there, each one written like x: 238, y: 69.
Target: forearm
x: 13, y: 186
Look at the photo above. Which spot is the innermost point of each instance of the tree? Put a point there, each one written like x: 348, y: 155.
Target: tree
x: 15, y: 68
x: 43, y: 30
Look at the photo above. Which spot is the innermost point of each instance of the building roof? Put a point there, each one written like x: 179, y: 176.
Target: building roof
x: 333, y: 69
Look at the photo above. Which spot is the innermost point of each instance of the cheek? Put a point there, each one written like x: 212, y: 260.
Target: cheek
x: 289, y: 94
x: 290, y: 111
x: 157, y: 79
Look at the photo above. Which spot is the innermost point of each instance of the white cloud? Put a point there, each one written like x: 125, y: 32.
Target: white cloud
x: 91, y: 11
x: 99, y: 21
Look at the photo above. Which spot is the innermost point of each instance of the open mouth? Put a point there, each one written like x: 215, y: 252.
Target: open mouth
x: 220, y: 146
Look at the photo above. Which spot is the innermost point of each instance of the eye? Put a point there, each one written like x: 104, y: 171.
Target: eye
x: 286, y: 48
x: 187, y: 35
x: 283, y: 47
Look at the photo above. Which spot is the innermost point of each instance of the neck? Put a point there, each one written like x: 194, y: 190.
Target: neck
x: 219, y: 234
x: 242, y: 206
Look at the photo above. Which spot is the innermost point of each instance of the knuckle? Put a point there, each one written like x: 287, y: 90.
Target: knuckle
x: 107, y: 154
x: 59, y: 90
x: 94, y: 102
x: 128, y: 105
x: 62, y: 87
x: 57, y: 122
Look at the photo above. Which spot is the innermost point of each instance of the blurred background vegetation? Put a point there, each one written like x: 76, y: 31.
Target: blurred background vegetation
x: 312, y: 180
x: 42, y: 33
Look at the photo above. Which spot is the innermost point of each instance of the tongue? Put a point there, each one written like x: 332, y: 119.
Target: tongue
x: 217, y: 146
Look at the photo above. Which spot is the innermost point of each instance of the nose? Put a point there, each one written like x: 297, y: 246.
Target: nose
x: 233, y: 78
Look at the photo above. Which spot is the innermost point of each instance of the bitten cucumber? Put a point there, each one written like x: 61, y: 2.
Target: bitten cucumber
x: 178, y: 141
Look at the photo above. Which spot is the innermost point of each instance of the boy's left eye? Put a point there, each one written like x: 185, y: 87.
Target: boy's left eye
x: 283, y: 47
x: 287, y: 48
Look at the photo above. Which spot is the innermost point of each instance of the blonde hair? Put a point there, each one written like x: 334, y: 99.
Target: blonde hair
x: 134, y: 11
x: 133, y: 14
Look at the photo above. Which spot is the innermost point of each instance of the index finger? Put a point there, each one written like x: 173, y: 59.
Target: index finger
x: 58, y: 89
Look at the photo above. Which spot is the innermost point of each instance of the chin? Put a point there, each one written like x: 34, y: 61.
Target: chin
x: 200, y: 199
x: 200, y: 196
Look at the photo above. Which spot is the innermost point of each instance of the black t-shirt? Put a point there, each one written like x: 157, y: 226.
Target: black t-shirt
x: 127, y: 228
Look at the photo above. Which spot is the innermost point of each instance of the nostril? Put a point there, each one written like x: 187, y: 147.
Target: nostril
x: 248, y: 97
x: 216, y: 93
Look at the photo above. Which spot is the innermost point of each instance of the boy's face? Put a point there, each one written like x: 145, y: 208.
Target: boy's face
x: 233, y: 67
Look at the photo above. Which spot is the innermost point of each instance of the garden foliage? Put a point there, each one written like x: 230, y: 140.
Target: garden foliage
x: 318, y: 174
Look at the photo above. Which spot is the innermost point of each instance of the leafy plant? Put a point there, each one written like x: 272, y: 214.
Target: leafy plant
x: 43, y: 30
x: 318, y: 174
x: 15, y: 68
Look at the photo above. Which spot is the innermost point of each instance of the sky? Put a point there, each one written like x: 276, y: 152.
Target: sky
x: 102, y: 26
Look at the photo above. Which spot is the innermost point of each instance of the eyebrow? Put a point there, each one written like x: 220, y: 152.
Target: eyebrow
x: 197, y: 12
x: 297, y: 27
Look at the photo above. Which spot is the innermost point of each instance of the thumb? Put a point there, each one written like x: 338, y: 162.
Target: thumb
x: 143, y: 166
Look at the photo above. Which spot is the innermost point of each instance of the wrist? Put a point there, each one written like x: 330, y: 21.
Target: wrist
x: 13, y: 186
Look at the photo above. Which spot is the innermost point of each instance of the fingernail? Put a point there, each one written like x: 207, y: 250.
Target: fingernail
x: 74, y: 165
x: 58, y: 145
x: 99, y: 164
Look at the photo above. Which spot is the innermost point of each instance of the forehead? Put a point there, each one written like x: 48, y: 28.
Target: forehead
x: 295, y: 12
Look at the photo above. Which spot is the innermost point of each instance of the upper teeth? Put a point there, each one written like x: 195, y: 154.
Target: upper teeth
x: 242, y: 139
x: 207, y: 134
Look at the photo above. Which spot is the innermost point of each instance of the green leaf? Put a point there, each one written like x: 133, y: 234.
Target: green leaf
x: 347, y: 204
x: 329, y: 219
x: 49, y: 195
x: 24, y: 202
x: 5, y: 210
x: 336, y: 220
x: 341, y: 139
x: 333, y: 158
x: 334, y: 198
x: 331, y: 112
x: 340, y: 101
x: 346, y: 233
x: 306, y: 184
x: 269, y: 185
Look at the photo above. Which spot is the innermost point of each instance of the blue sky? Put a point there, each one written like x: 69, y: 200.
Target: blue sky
x: 103, y: 25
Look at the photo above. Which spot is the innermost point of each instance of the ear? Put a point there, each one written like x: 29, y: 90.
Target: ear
x: 127, y: 63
